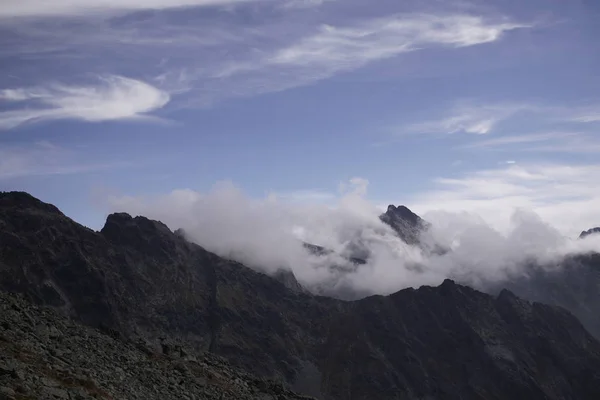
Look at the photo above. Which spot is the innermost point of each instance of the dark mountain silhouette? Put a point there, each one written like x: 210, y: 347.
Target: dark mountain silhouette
x: 593, y: 231
x: 573, y: 284
x: 141, y: 283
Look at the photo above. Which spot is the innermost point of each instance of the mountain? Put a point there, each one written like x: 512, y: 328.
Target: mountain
x: 407, y: 225
x: 139, y: 283
x: 44, y: 355
x: 593, y: 231
x: 574, y: 283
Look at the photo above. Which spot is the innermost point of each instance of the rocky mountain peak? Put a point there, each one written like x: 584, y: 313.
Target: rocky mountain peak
x: 25, y: 201
x: 141, y: 233
x: 120, y: 226
x: 593, y: 231
x: 402, y: 212
x: 404, y: 222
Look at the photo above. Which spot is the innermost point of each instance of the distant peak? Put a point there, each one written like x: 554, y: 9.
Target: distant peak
x: 23, y: 200
x: 402, y: 212
x: 593, y: 231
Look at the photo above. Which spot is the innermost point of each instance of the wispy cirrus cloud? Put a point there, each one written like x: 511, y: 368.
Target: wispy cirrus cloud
x: 335, y: 49
x: 590, y: 114
x: 112, y: 98
x: 556, y: 142
x: 509, y: 140
x: 45, y: 158
x: 42, y: 8
x: 470, y: 118
x: 229, y: 56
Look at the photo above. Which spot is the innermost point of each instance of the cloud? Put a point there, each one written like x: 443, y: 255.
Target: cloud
x: 334, y: 49
x: 494, y: 221
x: 557, y: 142
x: 299, y: 4
x: 303, y: 196
x: 466, y: 118
x: 520, y: 139
x: 586, y: 115
x: 340, y: 48
x: 223, y: 57
x: 562, y: 195
x: 42, y: 8
x: 113, y: 98
x: 45, y: 158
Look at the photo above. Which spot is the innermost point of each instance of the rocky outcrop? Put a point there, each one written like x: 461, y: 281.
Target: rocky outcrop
x: 138, y: 282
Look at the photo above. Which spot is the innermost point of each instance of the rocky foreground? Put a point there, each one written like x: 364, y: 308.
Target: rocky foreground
x: 166, y: 310
x: 45, y: 356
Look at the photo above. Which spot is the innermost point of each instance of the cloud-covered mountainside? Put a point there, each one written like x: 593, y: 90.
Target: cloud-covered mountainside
x: 168, y: 300
x: 363, y: 251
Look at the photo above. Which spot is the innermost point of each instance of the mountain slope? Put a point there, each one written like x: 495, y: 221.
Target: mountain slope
x: 139, y: 281
x: 45, y: 356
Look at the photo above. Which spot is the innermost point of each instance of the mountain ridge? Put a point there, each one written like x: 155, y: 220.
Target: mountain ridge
x: 141, y: 282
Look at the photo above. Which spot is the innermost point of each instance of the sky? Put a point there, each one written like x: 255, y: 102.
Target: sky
x: 478, y: 108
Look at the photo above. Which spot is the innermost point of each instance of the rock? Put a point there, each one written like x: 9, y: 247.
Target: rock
x: 6, y: 392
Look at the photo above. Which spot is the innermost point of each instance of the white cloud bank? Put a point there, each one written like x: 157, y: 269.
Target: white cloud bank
x: 566, y: 196
x: 113, y: 98
x: 45, y: 8
x: 494, y: 222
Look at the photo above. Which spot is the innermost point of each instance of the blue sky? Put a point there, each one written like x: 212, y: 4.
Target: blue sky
x: 457, y: 105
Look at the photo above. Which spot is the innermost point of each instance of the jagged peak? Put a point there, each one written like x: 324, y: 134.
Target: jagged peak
x: 402, y: 212
x: 592, y: 231
x: 24, y: 200
x: 448, y: 283
x: 122, y: 221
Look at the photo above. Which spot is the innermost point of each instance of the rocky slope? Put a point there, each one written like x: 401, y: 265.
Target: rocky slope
x: 139, y: 282
x: 45, y: 356
x: 573, y: 284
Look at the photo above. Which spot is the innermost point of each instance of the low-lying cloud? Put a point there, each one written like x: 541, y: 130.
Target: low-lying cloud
x: 267, y: 234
